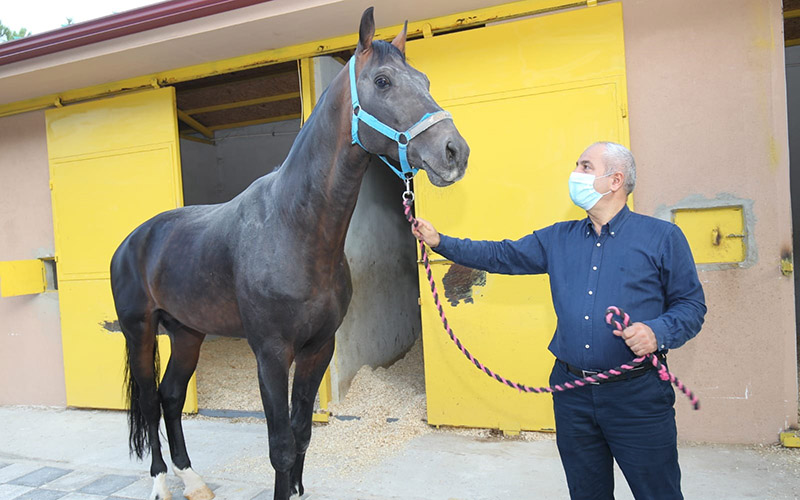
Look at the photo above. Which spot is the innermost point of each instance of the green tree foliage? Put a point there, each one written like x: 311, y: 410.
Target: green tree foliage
x: 7, y: 34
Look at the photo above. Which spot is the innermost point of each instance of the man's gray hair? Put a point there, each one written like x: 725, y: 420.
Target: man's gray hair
x: 618, y: 158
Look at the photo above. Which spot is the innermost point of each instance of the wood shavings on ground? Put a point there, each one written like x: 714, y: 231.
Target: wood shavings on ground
x: 377, y: 396
x: 227, y: 376
x: 385, y: 408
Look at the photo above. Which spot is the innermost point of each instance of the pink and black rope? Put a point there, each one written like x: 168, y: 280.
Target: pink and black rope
x: 615, y: 317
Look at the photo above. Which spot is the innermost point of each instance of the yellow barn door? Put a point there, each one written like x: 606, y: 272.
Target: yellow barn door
x: 114, y: 163
x: 528, y: 96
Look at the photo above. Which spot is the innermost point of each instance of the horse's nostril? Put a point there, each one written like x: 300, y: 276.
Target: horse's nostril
x: 451, y: 152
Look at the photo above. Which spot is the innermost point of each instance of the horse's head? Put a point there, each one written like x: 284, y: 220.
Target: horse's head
x: 398, y: 95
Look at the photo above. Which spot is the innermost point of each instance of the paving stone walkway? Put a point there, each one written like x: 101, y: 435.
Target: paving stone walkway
x: 29, y: 481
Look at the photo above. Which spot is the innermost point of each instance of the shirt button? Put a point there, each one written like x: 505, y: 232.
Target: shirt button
x: 587, y: 317
x: 586, y: 346
x: 612, y: 233
x: 594, y: 268
x: 598, y: 243
x: 662, y: 346
x: 590, y: 292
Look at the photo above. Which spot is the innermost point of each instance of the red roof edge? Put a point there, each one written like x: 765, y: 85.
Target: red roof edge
x: 114, y: 26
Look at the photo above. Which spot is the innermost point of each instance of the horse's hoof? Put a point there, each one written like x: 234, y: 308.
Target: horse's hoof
x: 203, y: 493
x: 194, y: 487
x: 160, y: 490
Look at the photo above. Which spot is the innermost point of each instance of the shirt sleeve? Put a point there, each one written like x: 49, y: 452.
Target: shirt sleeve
x: 523, y: 256
x: 684, y: 298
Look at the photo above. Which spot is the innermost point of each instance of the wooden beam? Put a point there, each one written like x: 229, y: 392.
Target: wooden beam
x: 197, y: 139
x: 188, y: 120
x: 256, y: 122
x: 792, y: 42
x: 241, y: 104
x: 790, y: 14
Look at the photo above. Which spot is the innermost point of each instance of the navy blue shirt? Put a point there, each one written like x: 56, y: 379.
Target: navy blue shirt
x: 639, y: 263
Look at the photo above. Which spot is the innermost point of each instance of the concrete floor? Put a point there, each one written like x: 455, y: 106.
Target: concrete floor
x: 77, y: 454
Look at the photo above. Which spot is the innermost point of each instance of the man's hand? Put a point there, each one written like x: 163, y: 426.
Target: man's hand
x: 426, y: 232
x: 639, y: 338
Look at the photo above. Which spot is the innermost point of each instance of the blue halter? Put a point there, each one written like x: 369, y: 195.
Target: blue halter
x: 401, y: 138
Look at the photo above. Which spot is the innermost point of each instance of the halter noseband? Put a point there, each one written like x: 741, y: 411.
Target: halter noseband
x: 401, y: 138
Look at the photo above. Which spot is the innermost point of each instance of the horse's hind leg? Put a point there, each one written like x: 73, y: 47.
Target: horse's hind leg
x: 182, y: 363
x: 310, y: 367
x: 145, y: 409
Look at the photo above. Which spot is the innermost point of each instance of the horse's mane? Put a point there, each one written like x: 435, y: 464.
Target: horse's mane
x: 385, y: 49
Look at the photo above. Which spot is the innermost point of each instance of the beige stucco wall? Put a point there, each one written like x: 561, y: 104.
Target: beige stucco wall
x: 31, y: 366
x: 707, y: 106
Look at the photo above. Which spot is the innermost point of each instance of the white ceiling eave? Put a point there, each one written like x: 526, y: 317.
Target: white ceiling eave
x: 270, y: 25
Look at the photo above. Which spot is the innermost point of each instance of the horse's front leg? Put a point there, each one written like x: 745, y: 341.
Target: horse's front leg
x: 310, y: 366
x: 273, y: 379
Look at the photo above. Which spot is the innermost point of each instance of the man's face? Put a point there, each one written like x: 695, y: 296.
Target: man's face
x: 591, y: 162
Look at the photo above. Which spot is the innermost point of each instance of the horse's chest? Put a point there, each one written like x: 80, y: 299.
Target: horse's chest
x: 304, y: 296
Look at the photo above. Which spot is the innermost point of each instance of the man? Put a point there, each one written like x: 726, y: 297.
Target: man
x: 613, y: 257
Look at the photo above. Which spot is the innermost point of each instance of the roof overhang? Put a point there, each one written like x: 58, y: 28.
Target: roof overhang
x: 181, y: 33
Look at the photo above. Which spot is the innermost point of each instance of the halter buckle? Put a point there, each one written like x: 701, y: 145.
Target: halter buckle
x: 408, y: 195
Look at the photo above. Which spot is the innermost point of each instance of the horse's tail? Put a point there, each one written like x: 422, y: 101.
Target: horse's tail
x: 139, y: 434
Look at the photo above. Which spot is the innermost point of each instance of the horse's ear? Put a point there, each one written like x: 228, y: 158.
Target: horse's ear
x: 400, y: 40
x: 366, y: 32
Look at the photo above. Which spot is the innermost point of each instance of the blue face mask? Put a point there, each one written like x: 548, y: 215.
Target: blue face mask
x: 582, y: 191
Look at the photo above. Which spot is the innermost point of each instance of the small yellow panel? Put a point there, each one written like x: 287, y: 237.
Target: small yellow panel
x: 716, y: 235
x: 528, y: 96
x: 790, y: 439
x: 22, y: 277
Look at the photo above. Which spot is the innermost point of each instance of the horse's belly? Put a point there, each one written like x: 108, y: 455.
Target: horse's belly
x: 206, y: 315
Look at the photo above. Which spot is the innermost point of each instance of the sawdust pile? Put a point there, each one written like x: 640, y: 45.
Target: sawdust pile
x: 382, y: 412
x: 227, y: 376
x: 388, y: 406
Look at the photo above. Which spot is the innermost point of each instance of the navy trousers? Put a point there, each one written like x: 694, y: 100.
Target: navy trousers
x: 631, y: 421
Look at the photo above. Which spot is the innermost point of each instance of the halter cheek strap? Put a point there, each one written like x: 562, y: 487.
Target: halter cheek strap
x: 401, y: 138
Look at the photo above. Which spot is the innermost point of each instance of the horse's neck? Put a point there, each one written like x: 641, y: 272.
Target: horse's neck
x: 318, y: 184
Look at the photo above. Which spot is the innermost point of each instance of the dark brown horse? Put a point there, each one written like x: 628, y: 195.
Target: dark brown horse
x: 269, y: 265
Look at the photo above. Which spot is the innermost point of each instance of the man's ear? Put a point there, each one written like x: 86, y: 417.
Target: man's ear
x: 365, y: 32
x: 618, y: 180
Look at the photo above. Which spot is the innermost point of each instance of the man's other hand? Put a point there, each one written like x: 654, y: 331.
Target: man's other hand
x: 425, y: 232
x: 639, y: 338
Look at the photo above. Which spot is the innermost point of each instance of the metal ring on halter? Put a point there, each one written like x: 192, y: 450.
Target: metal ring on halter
x: 408, y: 196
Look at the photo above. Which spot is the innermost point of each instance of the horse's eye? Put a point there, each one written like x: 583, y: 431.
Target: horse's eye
x: 382, y: 82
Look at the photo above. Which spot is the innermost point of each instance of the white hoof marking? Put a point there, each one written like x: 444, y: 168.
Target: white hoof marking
x: 160, y: 490
x: 194, y: 486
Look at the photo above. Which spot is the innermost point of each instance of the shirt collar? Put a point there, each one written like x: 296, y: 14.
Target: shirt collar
x: 614, y: 225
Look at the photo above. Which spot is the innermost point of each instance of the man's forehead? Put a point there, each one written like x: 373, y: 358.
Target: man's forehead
x: 592, y: 155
